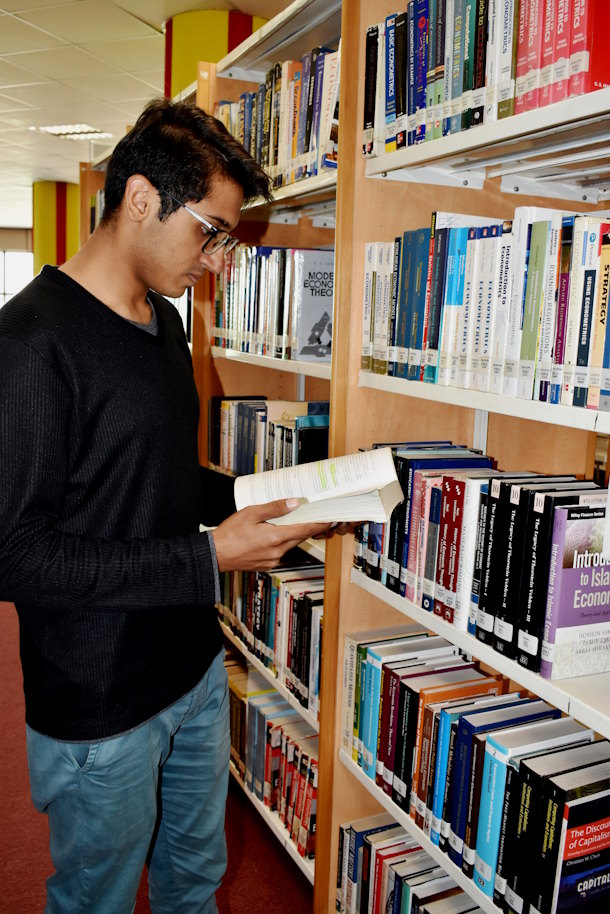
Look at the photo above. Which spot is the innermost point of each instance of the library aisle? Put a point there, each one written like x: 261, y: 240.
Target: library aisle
x: 260, y: 876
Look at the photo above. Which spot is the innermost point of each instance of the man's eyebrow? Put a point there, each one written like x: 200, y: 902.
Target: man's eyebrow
x: 221, y: 222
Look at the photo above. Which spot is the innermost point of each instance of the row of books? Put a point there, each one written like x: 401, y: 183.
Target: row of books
x: 253, y: 434
x: 290, y: 123
x: 276, y: 302
x: 444, y: 66
x: 514, y: 558
x: 275, y: 753
x: 472, y: 763
x: 515, y: 307
x: 388, y: 871
x: 279, y: 616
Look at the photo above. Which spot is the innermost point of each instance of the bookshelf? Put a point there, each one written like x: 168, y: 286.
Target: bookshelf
x: 552, y: 154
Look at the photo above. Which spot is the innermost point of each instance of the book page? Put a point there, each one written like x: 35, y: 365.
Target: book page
x: 352, y: 474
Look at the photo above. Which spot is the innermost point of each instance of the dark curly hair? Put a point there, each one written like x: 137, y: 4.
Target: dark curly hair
x: 179, y: 148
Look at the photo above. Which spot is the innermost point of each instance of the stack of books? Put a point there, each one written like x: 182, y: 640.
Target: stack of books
x: 290, y: 123
x: 513, y: 558
x: 515, y: 307
x: 443, y: 66
x: 276, y: 302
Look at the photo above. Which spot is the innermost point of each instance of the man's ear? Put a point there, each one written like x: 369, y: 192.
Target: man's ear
x: 140, y: 198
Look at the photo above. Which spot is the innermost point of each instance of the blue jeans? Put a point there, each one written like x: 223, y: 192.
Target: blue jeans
x: 157, y: 792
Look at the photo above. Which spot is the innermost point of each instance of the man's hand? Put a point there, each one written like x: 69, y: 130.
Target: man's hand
x: 244, y: 542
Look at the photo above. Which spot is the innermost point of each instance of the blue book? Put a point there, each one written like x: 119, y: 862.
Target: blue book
x: 448, y: 712
x: 260, y: 107
x: 411, y: 72
x: 403, y: 315
x: 421, y: 66
x: 501, y: 749
x: 468, y: 725
x: 397, y: 276
x: 317, y: 110
x: 390, y: 83
x: 417, y: 302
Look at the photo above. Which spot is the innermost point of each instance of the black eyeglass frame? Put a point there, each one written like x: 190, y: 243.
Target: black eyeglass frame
x: 212, y: 243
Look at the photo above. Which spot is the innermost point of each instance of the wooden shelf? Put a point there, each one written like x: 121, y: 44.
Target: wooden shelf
x: 584, y: 697
x: 303, y: 25
x: 561, y: 151
x: 276, y: 825
x: 407, y: 822
x: 567, y: 416
x: 309, y: 369
x: 269, y: 676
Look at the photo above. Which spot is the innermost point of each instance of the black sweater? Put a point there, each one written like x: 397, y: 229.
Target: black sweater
x: 101, y: 498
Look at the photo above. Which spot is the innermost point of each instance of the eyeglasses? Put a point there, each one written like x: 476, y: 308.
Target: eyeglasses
x: 216, y: 238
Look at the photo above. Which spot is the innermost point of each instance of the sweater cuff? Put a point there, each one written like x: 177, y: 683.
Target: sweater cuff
x: 214, y: 566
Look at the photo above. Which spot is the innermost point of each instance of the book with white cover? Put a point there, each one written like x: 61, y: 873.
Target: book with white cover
x: 355, y: 487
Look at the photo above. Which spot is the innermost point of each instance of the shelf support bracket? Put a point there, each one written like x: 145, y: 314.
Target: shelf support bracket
x: 479, y: 433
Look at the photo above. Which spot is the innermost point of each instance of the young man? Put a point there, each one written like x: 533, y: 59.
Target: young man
x: 101, y: 502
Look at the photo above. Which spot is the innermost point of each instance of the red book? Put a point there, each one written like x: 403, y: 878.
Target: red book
x: 549, y: 16
x: 589, y: 59
x: 521, y: 68
x: 535, y: 33
x: 560, y: 79
x: 443, y: 549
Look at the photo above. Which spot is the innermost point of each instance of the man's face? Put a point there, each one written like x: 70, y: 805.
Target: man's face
x: 172, y: 256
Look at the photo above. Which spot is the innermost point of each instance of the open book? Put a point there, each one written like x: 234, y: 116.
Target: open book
x: 357, y: 487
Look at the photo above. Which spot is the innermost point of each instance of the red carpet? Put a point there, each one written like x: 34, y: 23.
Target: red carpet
x: 260, y: 876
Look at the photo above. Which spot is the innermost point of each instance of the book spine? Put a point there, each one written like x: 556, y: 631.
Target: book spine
x: 393, y: 315
x: 490, y: 815
x: 521, y: 66
x: 472, y: 810
x: 508, y: 58
x: 411, y: 56
x: 431, y: 66
x: 421, y: 66
x: 548, y: 51
x: 480, y: 50
x: 553, y: 594
x: 438, y: 90
x: 548, y: 316
x: 445, y: 825
x: 390, y: 84
x: 370, y: 88
x: 401, y: 26
x: 599, y: 324
x: 587, y: 319
x: 457, y: 68
x: 560, y: 77
x: 534, y: 53
x: 579, y: 47
x: 431, y: 550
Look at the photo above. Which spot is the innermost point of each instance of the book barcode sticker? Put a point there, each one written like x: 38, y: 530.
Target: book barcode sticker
x: 514, y: 901
x: 435, y: 825
x: 445, y: 829
x: 579, y: 62
x: 379, y: 768
x: 469, y: 854
x: 400, y: 787
x: 485, y: 621
x: 393, y: 568
x: 503, y: 630
x: 561, y: 69
x: 415, y: 357
x: 420, y: 807
x: 510, y: 368
x: 388, y: 775
x: 527, y: 643
x: 484, y: 868
x: 478, y: 97
x: 455, y: 842
x: 581, y: 376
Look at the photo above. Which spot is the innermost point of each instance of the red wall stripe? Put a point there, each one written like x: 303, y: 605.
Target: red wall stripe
x: 240, y: 28
x: 168, y: 58
x: 60, y: 222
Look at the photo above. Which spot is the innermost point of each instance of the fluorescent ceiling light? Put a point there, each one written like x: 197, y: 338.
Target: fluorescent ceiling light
x: 74, y: 132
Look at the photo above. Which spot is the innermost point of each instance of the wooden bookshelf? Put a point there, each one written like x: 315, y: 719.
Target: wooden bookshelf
x: 485, y: 171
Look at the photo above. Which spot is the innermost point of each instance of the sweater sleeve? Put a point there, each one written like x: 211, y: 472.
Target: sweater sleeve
x: 41, y: 563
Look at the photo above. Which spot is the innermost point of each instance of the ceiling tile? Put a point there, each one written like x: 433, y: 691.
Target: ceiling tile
x: 16, y: 36
x: 46, y: 95
x: 12, y: 6
x: 119, y: 88
x: 72, y: 22
x: 13, y: 75
x: 132, y: 55
x: 62, y: 63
